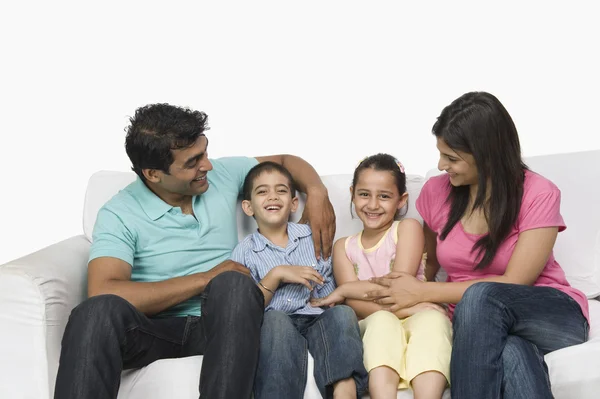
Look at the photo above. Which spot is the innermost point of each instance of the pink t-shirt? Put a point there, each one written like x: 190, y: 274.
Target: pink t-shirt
x: 540, y: 208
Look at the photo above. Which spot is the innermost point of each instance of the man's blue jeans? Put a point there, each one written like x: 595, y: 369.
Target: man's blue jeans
x: 333, y: 339
x: 106, y: 334
x: 501, y: 334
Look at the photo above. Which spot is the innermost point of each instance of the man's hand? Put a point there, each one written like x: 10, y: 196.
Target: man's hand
x: 401, y: 291
x: 227, y: 266
x: 318, y: 213
x: 297, y: 275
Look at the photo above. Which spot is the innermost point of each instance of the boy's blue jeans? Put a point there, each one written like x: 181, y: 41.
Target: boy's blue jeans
x: 333, y: 339
x: 501, y: 334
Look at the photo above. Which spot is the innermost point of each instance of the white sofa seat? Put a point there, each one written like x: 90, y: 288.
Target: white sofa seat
x: 38, y: 291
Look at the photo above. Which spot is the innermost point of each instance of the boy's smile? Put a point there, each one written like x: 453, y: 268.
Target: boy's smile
x: 271, y: 202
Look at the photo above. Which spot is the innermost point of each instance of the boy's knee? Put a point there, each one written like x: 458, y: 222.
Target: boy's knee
x: 342, y: 314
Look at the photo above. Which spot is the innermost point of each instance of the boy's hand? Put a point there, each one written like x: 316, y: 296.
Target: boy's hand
x: 297, y: 275
x: 332, y: 299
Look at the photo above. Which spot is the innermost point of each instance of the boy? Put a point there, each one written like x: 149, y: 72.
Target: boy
x: 281, y: 259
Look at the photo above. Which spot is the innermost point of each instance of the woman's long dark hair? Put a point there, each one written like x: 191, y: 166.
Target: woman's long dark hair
x: 478, y: 124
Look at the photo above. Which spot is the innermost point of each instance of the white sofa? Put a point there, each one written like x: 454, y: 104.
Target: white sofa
x: 38, y: 291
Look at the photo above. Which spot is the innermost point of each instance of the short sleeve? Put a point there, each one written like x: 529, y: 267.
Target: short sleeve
x: 543, y: 210
x: 430, y: 201
x: 237, y: 168
x: 112, y: 238
x: 239, y: 255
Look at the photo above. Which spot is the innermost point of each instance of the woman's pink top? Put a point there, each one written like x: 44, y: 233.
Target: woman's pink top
x: 540, y: 208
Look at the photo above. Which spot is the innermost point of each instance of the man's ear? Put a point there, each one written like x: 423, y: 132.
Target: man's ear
x: 294, y: 204
x: 152, y: 175
x: 247, y: 208
x: 403, y: 200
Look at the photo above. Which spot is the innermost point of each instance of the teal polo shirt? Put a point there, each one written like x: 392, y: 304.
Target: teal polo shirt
x: 160, y: 242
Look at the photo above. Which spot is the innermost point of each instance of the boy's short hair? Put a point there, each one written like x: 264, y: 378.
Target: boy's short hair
x: 259, y: 169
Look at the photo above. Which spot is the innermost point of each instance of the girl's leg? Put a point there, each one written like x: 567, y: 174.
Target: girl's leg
x: 483, y: 320
x: 384, y: 342
x: 429, y: 335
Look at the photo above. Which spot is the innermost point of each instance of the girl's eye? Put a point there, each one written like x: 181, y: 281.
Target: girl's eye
x: 282, y: 191
x: 384, y: 196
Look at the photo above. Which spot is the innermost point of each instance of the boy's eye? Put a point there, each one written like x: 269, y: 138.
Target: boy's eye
x: 260, y: 192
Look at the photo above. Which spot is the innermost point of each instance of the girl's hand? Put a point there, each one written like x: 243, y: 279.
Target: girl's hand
x: 304, y: 275
x: 332, y: 299
x: 401, y: 291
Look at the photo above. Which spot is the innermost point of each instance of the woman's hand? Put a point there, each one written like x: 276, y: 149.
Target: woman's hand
x: 400, y: 291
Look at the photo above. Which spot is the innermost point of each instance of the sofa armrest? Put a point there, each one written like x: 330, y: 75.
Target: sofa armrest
x: 37, y: 294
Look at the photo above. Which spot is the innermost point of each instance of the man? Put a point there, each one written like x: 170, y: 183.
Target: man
x: 160, y: 284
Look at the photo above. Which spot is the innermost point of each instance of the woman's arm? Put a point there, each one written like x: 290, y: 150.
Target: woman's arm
x: 432, y: 266
x: 527, y: 261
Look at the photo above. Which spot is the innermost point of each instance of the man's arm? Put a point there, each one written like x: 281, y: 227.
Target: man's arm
x: 318, y: 211
x: 107, y: 275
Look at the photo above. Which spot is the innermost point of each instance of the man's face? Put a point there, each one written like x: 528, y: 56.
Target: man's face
x: 188, y: 172
x: 271, y: 200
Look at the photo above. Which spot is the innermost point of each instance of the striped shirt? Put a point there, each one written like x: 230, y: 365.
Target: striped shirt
x: 260, y: 255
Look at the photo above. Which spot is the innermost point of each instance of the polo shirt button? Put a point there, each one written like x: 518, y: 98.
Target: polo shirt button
x: 289, y: 300
x: 295, y: 240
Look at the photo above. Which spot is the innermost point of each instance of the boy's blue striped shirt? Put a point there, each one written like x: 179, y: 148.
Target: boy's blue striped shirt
x: 260, y: 255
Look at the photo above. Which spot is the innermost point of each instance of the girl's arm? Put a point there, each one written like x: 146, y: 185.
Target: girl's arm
x: 409, y: 247
x: 343, y: 271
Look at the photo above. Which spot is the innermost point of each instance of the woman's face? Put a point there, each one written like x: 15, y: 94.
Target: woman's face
x: 459, y: 165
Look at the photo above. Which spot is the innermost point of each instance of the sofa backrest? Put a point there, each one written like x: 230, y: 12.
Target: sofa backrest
x: 576, y: 174
x: 103, y: 185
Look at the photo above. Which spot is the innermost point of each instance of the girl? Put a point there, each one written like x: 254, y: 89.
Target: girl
x: 491, y: 223
x: 410, y: 346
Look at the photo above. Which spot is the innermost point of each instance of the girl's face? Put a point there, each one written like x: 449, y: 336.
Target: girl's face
x: 376, y: 198
x: 460, y: 166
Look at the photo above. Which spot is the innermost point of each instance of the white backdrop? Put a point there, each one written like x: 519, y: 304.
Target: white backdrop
x: 331, y: 81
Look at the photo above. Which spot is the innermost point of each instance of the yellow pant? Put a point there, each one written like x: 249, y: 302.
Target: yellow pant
x: 411, y: 346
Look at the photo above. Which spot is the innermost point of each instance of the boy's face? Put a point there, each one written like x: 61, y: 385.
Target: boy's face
x: 271, y: 200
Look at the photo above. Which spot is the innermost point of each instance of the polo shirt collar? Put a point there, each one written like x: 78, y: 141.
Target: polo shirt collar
x: 151, y: 203
x: 295, y: 231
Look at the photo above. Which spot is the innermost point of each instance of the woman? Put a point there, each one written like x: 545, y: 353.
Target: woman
x: 492, y: 223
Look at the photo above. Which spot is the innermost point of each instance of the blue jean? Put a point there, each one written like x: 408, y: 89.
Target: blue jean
x: 106, y: 334
x: 333, y: 339
x: 501, y: 334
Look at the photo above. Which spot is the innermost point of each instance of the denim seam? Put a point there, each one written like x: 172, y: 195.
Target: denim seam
x: 328, y: 380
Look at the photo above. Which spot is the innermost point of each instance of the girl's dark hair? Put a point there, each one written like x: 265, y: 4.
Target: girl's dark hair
x: 478, y: 124
x: 381, y: 162
x: 156, y: 129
